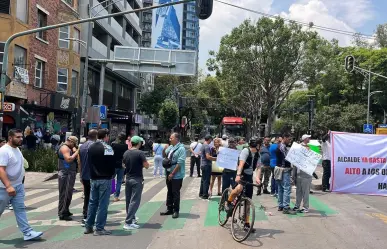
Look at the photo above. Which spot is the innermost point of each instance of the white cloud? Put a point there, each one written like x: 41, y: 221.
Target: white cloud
x: 223, y: 19
x: 338, y: 14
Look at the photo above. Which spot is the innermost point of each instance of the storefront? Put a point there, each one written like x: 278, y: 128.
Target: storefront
x: 55, y: 117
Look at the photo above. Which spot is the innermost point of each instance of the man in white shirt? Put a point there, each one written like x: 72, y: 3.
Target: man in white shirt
x: 195, y: 149
x: 326, y: 161
x: 225, y: 141
x: 11, y: 186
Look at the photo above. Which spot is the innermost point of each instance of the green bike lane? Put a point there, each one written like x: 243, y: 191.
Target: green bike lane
x: 194, y: 213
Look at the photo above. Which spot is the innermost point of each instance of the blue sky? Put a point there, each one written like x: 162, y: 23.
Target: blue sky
x: 350, y: 15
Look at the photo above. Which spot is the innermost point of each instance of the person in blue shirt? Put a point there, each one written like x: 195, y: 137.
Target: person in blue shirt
x: 158, y: 161
x: 175, y: 174
x: 273, y: 162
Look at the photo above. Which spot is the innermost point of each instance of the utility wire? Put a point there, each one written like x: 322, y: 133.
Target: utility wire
x: 310, y: 25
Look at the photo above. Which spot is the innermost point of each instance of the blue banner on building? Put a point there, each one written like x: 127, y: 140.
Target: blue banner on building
x: 167, y: 26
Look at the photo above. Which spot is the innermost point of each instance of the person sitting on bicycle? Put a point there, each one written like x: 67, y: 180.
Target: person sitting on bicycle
x: 248, y: 162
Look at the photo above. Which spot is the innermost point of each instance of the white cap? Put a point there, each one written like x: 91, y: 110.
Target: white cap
x: 305, y: 136
x: 224, y: 136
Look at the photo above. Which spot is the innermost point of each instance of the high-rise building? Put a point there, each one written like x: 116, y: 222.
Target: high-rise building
x: 191, y: 28
x: 119, y: 88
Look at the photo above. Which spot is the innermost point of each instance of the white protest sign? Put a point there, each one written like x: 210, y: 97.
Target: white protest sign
x: 227, y: 158
x: 303, y: 158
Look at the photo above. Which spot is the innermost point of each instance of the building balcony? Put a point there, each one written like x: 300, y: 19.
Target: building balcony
x: 116, y: 26
x: 99, y: 46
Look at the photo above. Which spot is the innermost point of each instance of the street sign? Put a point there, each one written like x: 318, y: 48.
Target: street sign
x: 383, y: 126
x: 102, y: 111
x: 154, y: 60
x: 8, y: 107
x: 368, y: 128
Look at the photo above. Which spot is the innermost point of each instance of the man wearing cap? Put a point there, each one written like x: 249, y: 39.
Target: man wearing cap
x: 224, y: 141
x: 175, y: 174
x: 134, y: 160
x: 67, y: 156
x: 303, y: 182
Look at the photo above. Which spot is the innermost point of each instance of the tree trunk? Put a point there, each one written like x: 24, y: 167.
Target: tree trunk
x: 269, y: 121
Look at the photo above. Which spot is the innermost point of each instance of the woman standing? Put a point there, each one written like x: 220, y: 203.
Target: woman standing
x: 119, y: 147
x: 216, y: 171
x: 158, y: 161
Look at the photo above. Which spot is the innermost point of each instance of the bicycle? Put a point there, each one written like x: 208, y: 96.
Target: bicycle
x: 244, y: 205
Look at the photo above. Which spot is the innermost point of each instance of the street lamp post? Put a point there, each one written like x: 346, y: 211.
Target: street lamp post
x: 369, y: 100
x: 176, y: 92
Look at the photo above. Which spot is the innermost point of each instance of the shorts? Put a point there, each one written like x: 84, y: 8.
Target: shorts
x: 249, y: 189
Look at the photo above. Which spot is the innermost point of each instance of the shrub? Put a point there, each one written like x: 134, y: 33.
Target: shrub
x: 41, y: 160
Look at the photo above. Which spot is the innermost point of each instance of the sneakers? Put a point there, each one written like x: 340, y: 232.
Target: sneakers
x: 32, y: 235
x: 280, y: 209
x: 88, y: 230
x: 10, y: 207
x: 116, y: 199
x: 65, y: 218
x: 175, y: 215
x: 102, y: 232
x: 288, y: 211
x: 131, y: 227
x: 266, y: 192
x: 83, y: 222
x: 304, y: 210
x: 247, y: 228
x: 295, y: 209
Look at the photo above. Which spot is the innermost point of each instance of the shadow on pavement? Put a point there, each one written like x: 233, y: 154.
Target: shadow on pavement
x: 260, y: 233
x: 189, y: 216
x: 20, y: 243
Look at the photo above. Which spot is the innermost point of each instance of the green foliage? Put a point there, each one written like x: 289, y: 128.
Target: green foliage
x: 168, y: 114
x: 41, y: 160
x: 381, y: 35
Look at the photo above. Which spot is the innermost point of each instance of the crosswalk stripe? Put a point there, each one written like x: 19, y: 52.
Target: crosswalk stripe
x: 54, y: 204
x: 40, y: 198
x: 34, y: 191
x: 192, y: 191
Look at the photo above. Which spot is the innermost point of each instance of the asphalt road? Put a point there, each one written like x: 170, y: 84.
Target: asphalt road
x: 334, y: 221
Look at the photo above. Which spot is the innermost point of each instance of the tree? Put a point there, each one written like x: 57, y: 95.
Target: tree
x: 381, y: 35
x: 259, y: 63
x: 169, y: 113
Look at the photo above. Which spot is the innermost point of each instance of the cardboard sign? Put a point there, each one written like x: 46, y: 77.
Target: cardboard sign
x: 303, y: 158
x: 227, y: 158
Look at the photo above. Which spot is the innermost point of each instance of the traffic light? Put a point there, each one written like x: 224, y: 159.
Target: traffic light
x: 204, y: 8
x: 349, y: 63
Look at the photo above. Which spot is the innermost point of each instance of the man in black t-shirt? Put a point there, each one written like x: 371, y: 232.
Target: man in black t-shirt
x: 102, y: 169
x: 134, y: 160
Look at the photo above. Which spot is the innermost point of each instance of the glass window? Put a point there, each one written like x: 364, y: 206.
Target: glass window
x: 22, y: 10
x: 42, y: 22
x: 62, y: 80
x: 39, y: 73
x: 70, y: 2
x: 76, y: 44
x: 74, y: 83
x: 64, y: 34
x: 19, y: 58
x: 5, y: 6
x: 108, y: 85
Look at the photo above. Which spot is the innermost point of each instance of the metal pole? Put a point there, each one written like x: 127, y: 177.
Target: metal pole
x: 101, y: 84
x: 86, y: 70
x: 32, y: 31
x: 369, y: 97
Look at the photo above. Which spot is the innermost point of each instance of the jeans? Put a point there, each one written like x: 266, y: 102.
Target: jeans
x: 133, y: 192
x: 18, y: 207
x: 228, y: 179
x: 205, y: 181
x: 284, y: 189
x: 195, y: 160
x: 120, y: 175
x: 274, y: 187
x: 173, y: 194
x: 158, y: 165
x: 98, y: 204
x: 86, y: 191
x: 326, y: 174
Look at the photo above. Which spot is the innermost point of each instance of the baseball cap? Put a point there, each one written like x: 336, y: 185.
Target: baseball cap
x: 73, y: 139
x: 305, y: 136
x: 136, y: 140
x: 224, y: 136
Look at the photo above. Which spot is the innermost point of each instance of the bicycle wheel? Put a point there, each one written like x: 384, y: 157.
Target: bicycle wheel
x: 223, y: 214
x: 239, y: 229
